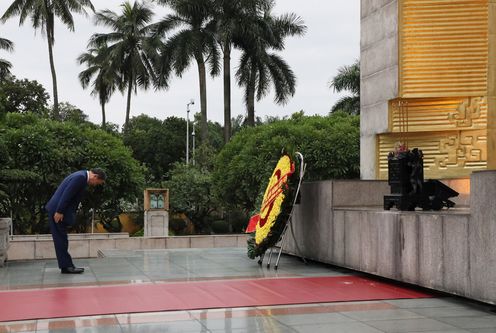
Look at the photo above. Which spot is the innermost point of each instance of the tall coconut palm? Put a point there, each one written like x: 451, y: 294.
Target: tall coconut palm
x: 234, y: 20
x: 347, y: 79
x: 5, y: 66
x: 43, y: 13
x: 260, y: 66
x: 192, y: 38
x: 99, y: 66
x: 130, y: 47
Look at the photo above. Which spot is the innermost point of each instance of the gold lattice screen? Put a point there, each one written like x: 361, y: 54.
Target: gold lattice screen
x: 443, y: 48
x: 442, y: 107
x: 438, y: 114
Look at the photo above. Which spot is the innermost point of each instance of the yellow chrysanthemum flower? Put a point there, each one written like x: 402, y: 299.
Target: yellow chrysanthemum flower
x: 273, y: 198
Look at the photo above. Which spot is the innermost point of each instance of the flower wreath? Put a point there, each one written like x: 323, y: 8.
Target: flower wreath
x: 267, y: 226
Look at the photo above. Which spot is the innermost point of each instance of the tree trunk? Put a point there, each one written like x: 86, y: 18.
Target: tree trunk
x: 128, y: 107
x: 227, y: 92
x: 56, y: 114
x: 104, y: 122
x: 203, y: 98
x: 250, y: 98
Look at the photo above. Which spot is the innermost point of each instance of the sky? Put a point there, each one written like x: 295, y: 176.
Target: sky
x: 332, y: 40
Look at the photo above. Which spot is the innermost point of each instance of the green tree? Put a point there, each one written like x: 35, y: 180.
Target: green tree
x: 259, y: 66
x: 22, y: 96
x: 4, y: 197
x: 330, y: 146
x: 215, y: 134
x: 69, y: 112
x: 190, y: 189
x: 130, y: 46
x: 193, y: 38
x: 43, y: 14
x: 99, y: 66
x: 5, y: 66
x: 347, y: 79
x: 41, y: 152
x: 156, y: 144
x: 3, y: 102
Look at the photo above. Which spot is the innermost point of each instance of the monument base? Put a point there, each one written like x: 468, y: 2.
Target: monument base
x: 156, y: 223
x: 452, y: 250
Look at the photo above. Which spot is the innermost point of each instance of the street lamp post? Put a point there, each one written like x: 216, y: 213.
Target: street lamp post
x: 193, y: 135
x: 191, y: 102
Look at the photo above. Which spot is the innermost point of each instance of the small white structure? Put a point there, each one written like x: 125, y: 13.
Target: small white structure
x: 4, y: 239
x: 156, y: 206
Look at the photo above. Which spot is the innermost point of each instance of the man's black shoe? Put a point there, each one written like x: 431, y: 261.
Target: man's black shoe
x: 72, y: 270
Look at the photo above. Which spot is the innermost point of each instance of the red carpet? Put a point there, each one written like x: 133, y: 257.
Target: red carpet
x: 87, y: 301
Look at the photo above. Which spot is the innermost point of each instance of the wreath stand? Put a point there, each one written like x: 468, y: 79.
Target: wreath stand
x: 289, y: 225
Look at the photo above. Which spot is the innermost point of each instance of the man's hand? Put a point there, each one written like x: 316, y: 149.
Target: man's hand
x: 57, y: 217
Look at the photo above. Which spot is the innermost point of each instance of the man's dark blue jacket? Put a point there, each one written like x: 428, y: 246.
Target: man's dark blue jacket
x: 68, y: 195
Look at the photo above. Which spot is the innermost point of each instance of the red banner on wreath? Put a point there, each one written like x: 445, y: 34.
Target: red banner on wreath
x: 252, y: 224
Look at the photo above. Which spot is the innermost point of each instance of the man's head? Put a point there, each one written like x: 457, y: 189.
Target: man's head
x: 97, y: 176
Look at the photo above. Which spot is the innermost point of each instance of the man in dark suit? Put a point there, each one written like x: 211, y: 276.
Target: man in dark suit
x: 62, y: 212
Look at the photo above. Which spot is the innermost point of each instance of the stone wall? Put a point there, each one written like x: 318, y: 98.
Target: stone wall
x: 89, y: 245
x: 379, y: 75
x: 450, y: 250
x: 4, y: 239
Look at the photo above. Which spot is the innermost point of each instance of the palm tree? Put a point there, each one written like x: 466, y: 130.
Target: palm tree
x: 43, y: 13
x: 259, y: 67
x: 5, y: 66
x: 347, y: 79
x: 98, y: 64
x: 193, y: 38
x: 234, y: 20
x: 130, y: 47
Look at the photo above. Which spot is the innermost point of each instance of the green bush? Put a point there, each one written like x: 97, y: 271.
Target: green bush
x: 41, y: 152
x: 239, y: 226
x: 177, y: 226
x: 144, y: 134
x: 238, y: 220
x: 220, y: 227
x: 330, y: 145
x: 190, y: 193
x: 139, y: 233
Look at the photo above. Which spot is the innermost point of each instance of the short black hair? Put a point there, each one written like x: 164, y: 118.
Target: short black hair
x: 100, y: 173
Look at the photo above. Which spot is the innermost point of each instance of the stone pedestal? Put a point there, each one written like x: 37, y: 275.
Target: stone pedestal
x: 4, y: 239
x: 156, y: 206
x: 156, y: 223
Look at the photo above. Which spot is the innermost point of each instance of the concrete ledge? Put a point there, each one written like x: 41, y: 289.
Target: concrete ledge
x: 73, y: 236
x: 343, y: 223
x: 85, y: 246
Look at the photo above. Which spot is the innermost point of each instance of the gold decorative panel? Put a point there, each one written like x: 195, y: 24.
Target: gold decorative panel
x: 443, y: 48
x: 437, y: 114
x: 447, y: 154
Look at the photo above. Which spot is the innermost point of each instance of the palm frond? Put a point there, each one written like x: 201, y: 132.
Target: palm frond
x: 283, y: 79
x: 167, y: 24
x: 6, y: 45
x: 213, y: 56
x: 107, y: 18
x: 348, y: 78
x: 62, y: 10
x: 16, y: 8
x: 347, y: 104
x: 5, y: 67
